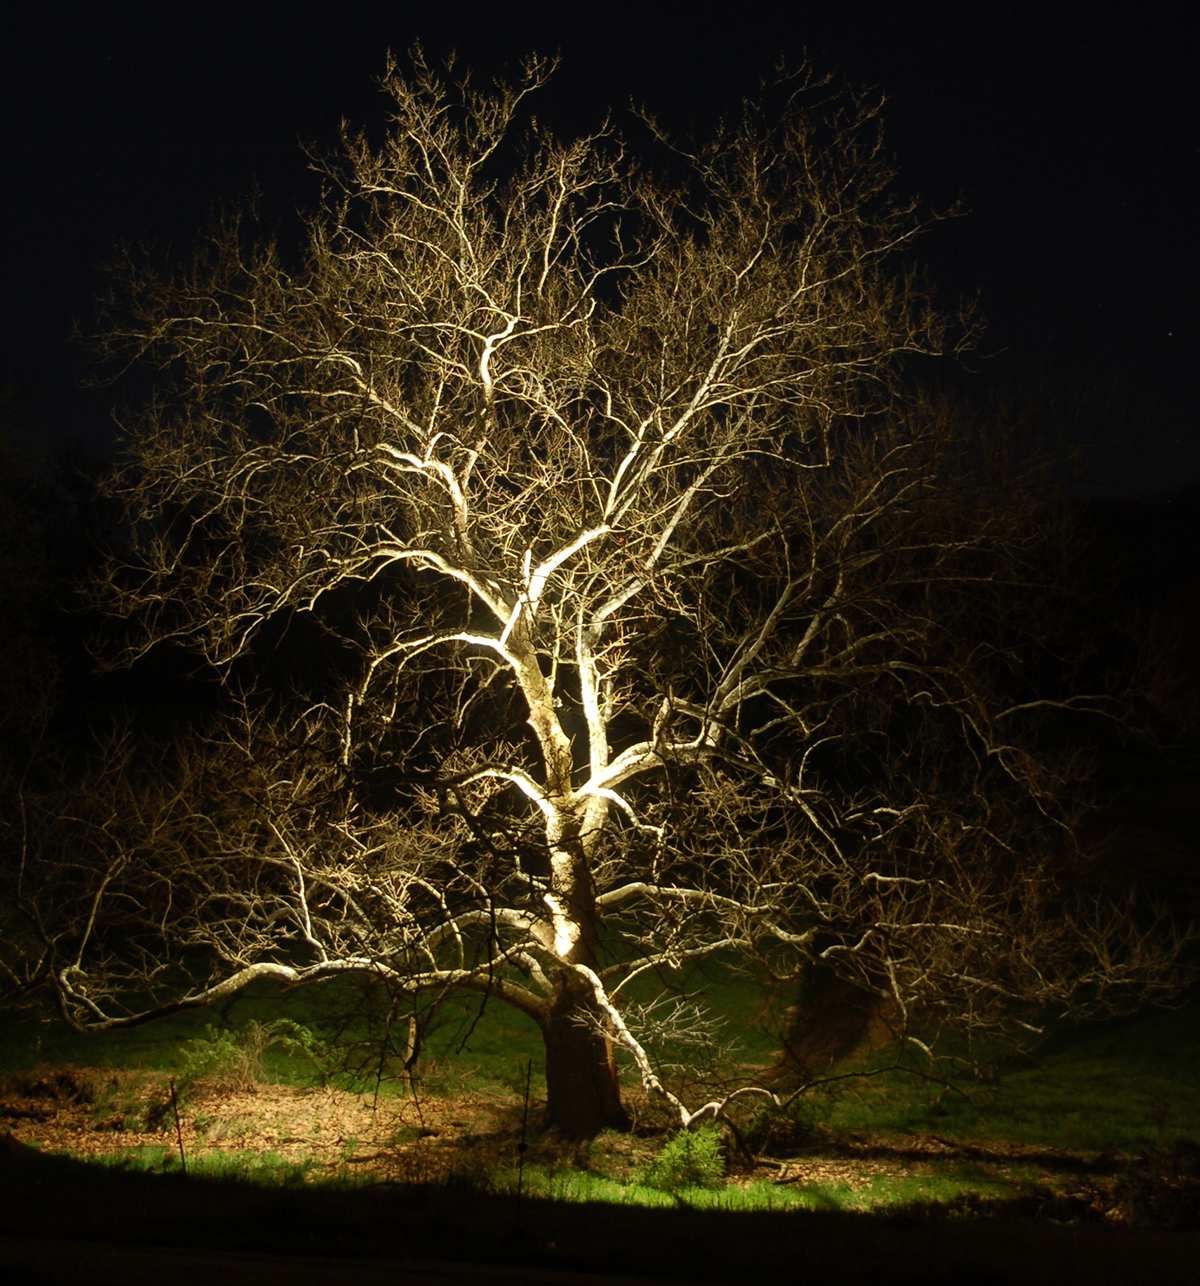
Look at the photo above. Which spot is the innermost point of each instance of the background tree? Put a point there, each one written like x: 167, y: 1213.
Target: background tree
x: 661, y: 621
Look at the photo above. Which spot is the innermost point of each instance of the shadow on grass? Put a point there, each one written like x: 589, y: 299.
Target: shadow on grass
x: 62, y: 1199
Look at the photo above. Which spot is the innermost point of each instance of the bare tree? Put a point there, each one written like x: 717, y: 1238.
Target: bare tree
x: 673, y: 625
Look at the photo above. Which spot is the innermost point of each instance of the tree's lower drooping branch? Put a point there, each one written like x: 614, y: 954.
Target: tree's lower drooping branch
x: 607, y: 599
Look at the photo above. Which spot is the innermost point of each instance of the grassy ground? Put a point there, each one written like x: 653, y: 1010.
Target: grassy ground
x: 1126, y: 1086
x: 1100, y: 1123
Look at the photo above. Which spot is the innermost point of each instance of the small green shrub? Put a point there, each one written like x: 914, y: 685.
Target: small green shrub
x: 692, y: 1159
x: 229, y: 1060
x: 218, y: 1058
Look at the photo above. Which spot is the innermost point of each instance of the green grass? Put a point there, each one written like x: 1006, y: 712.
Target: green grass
x: 263, y: 1169
x: 340, y: 1013
x: 29, y: 1042
x: 1129, y: 1087
x: 1124, y: 1087
x: 947, y: 1186
x: 472, y: 1045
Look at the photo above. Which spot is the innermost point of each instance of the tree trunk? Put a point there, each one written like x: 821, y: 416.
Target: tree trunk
x: 583, y: 1095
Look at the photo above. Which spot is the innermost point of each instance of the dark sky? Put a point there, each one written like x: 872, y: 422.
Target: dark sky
x: 1071, y: 136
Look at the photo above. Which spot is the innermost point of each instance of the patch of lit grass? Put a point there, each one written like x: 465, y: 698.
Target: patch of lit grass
x: 948, y: 1187
x: 29, y: 1041
x: 476, y: 1045
x: 581, y: 1186
x: 1121, y: 1087
x: 263, y: 1169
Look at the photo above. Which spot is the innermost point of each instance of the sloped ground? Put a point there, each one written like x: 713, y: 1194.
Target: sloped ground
x: 66, y: 1221
x: 90, y: 1114
x: 467, y: 1138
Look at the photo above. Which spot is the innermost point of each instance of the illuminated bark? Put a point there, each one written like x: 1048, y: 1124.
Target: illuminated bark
x: 680, y: 622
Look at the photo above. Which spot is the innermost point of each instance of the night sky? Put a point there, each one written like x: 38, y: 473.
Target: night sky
x: 1070, y: 135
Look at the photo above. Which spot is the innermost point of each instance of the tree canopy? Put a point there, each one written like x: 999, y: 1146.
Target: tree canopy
x: 666, y: 619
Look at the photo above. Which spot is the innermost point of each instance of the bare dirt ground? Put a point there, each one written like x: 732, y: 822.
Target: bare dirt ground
x: 92, y: 1113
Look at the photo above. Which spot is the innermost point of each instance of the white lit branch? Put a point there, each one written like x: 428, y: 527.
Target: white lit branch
x: 662, y: 620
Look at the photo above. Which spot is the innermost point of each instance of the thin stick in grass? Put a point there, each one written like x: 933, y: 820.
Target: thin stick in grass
x: 178, y: 1127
